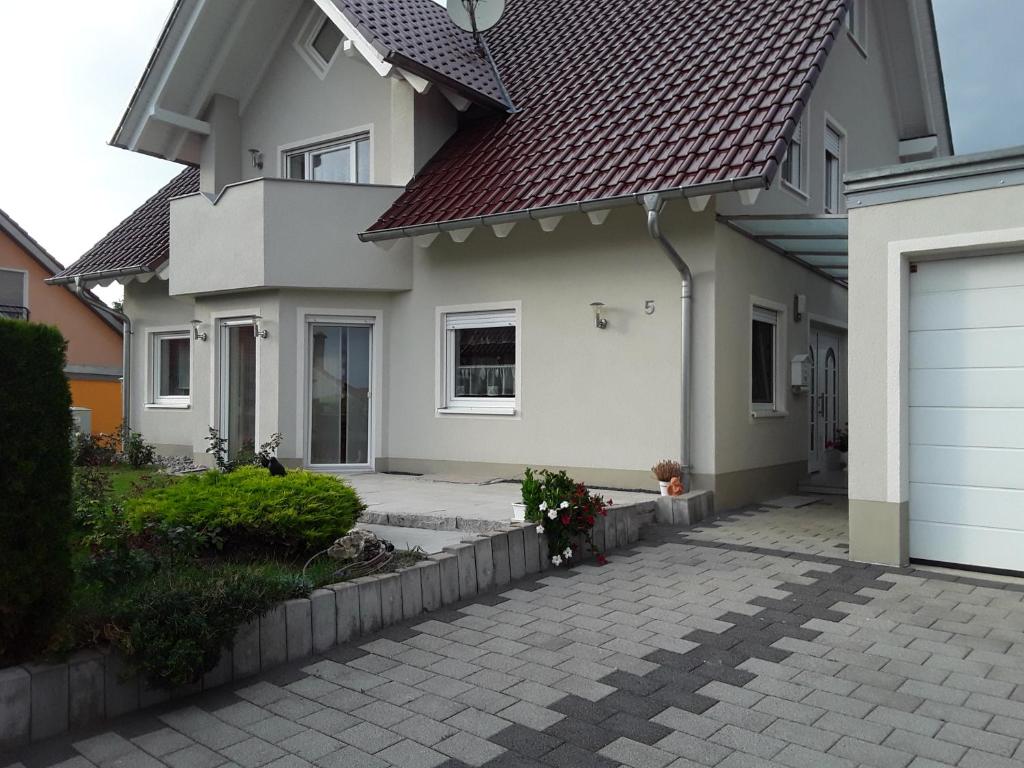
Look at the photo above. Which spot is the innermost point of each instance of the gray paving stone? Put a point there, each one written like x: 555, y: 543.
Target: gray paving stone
x: 739, y: 716
x: 311, y: 745
x: 469, y: 749
x: 923, y: 746
x: 368, y: 737
x: 845, y: 725
x: 196, y: 756
x: 796, y: 756
x: 693, y: 748
x: 972, y: 738
x: 162, y: 742
x: 804, y: 735
x: 635, y: 754
x: 350, y: 757
x: 423, y: 730
x: 252, y: 752
x: 409, y: 754
x: 477, y: 722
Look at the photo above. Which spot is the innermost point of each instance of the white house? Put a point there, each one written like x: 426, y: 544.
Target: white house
x: 598, y: 238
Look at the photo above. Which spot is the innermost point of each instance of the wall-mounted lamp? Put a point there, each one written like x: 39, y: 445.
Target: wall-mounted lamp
x: 257, y: 158
x: 600, y: 322
x: 799, y: 307
x: 196, y: 334
x: 256, y: 330
x: 649, y: 307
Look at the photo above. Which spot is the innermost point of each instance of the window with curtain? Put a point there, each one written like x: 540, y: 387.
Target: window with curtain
x: 480, y: 359
x: 171, y: 369
x: 762, y: 359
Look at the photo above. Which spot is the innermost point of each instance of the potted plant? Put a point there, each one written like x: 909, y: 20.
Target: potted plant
x: 837, y: 449
x: 532, y: 496
x: 665, y: 470
x: 565, y: 511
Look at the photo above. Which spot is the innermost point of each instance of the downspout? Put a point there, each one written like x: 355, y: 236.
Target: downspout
x: 653, y: 204
x: 126, y: 350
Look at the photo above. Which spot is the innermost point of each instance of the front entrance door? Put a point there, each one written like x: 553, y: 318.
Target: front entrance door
x: 824, y: 401
x: 238, y: 385
x: 339, y: 378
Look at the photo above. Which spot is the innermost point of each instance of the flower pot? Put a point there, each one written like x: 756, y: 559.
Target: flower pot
x: 832, y: 460
x: 844, y: 459
x: 664, y: 487
x: 518, y: 511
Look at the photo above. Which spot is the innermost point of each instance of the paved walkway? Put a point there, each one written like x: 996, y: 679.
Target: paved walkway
x: 750, y: 642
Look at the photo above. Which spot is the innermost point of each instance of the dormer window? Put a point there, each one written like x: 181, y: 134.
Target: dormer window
x: 318, y: 42
x: 347, y: 160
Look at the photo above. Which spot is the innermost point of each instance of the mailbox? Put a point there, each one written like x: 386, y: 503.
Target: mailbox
x: 800, y: 374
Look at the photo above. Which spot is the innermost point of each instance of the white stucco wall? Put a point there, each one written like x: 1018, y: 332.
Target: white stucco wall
x: 854, y: 92
x: 748, y: 271
x: 877, y: 463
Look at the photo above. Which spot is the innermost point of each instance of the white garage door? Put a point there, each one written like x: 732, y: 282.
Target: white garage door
x: 967, y: 411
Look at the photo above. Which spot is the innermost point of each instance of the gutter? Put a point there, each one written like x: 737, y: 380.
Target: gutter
x: 126, y: 350
x: 654, y: 204
x: 110, y: 274
x: 584, y: 206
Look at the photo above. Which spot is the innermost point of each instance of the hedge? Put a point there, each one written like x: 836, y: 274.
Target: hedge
x: 249, y: 507
x: 35, y: 487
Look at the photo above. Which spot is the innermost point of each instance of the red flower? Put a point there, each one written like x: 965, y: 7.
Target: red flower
x: 565, y: 519
x: 601, y: 559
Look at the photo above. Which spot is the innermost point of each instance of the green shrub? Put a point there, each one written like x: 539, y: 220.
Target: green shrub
x: 174, y: 626
x: 136, y: 451
x: 250, y: 507
x: 35, y: 487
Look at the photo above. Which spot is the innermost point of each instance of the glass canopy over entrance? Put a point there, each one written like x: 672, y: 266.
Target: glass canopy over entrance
x: 819, y: 242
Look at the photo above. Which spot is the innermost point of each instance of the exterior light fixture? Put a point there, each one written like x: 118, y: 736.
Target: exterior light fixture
x: 257, y: 158
x: 799, y: 306
x: 600, y: 322
x: 256, y: 330
x: 196, y: 334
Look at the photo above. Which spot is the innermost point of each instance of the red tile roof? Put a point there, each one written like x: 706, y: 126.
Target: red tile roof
x: 417, y: 35
x: 140, y: 243
x: 622, y: 97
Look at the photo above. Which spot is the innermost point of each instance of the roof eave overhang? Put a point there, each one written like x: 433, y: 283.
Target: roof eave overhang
x: 103, y: 276
x: 583, y: 206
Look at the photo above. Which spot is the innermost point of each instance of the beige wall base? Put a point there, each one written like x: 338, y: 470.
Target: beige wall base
x: 747, y: 486
x: 879, y: 532
x: 625, y: 479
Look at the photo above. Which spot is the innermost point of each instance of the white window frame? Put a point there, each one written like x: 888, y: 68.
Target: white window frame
x: 24, y: 288
x: 156, y: 400
x: 834, y: 127
x: 303, y: 43
x: 765, y: 310
x: 798, y: 185
x: 857, y: 27
x: 497, y: 314
x: 308, y: 150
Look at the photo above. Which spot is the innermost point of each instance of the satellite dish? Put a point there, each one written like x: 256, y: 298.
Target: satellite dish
x: 475, y: 15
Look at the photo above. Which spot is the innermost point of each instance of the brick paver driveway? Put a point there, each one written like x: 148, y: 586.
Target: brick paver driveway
x: 747, y: 643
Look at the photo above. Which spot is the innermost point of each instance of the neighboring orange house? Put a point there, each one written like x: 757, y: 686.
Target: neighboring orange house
x: 94, y: 336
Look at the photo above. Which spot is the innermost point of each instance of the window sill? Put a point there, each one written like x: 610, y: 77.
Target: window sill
x: 466, y: 411
x: 169, y: 406
x: 758, y: 415
x: 861, y: 48
x: 793, y: 189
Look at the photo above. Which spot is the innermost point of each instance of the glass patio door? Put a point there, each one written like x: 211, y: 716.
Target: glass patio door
x: 339, y: 380
x: 238, y: 386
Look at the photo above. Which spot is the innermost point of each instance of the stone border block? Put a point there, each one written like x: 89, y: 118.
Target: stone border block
x: 150, y: 696
x: 466, y: 557
x: 484, y: 555
x: 15, y: 707
x: 390, y: 598
x: 412, y: 592
x: 688, y: 509
x: 500, y: 558
x: 516, y: 554
x: 448, y: 568
x: 85, y: 689
x: 245, y: 660
x: 369, y: 604
x: 222, y: 673
x: 531, y: 548
x: 324, y: 619
x: 49, y: 699
x: 346, y: 608
x: 543, y: 555
x: 298, y: 618
x: 273, y: 637
x: 621, y: 527
x: 430, y: 584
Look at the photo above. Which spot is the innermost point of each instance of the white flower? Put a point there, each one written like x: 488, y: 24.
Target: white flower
x: 540, y: 529
x: 556, y: 560
x: 543, y: 506
x: 552, y: 514
x: 567, y: 553
x: 564, y: 505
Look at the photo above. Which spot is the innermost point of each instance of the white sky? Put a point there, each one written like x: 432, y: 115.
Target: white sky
x: 68, y: 69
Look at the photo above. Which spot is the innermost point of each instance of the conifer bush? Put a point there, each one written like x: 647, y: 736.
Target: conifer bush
x: 35, y: 487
